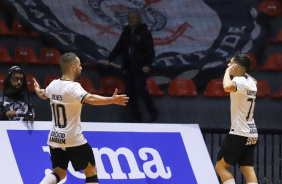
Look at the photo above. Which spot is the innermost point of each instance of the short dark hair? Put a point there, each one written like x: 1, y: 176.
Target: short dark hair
x: 136, y: 12
x: 66, y: 60
x: 243, y: 60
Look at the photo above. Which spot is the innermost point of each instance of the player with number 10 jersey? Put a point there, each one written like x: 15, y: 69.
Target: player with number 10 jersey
x: 66, y: 140
x: 66, y: 99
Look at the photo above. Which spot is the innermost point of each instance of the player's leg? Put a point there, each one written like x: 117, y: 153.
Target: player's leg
x: 229, y: 154
x: 59, y: 164
x: 91, y: 174
x: 55, y: 177
x: 246, y: 162
x: 50, y: 179
x: 250, y: 175
x: 82, y: 159
x: 222, y: 169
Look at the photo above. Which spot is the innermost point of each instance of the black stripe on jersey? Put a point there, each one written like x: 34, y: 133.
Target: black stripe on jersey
x: 83, y: 98
x: 235, y: 85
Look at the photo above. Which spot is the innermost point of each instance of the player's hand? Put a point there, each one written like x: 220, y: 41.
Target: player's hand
x: 119, y: 99
x: 36, y: 85
x: 11, y: 114
x: 38, y: 91
x: 146, y: 69
x: 231, y: 69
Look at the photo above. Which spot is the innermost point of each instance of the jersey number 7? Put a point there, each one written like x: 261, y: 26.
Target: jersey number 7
x: 252, y: 101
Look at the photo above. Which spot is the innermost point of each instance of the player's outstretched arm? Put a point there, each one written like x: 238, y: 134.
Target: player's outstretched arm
x: 228, y: 85
x: 101, y: 100
x: 252, y: 78
x: 39, y: 92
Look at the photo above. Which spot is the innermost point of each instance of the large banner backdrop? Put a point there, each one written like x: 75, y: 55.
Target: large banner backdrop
x: 125, y: 154
x: 190, y: 36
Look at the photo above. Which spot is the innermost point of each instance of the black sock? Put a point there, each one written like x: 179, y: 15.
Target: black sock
x: 57, y: 177
x: 92, y: 179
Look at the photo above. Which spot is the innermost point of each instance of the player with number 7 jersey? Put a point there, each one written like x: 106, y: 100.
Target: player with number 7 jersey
x: 242, y: 107
x: 239, y: 145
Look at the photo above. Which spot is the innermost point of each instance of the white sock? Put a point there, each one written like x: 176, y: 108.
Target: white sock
x: 49, y: 179
x: 230, y: 181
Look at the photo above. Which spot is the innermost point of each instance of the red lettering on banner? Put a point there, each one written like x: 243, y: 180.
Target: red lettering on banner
x: 103, y: 29
x: 175, y: 34
x: 157, y: 41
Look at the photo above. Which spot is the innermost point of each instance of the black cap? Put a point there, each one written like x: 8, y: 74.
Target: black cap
x: 13, y: 69
x: 10, y: 71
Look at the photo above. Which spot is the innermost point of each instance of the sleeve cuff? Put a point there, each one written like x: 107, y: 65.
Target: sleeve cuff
x: 45, y: 93
x: 236, y: 86
x: 81, y: 101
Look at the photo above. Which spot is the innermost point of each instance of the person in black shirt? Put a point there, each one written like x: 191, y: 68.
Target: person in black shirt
x: 137, y: 49
x: 13, y: 104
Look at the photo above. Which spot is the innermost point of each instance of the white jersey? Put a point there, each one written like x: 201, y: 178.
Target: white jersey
x: 242, y: 107
x: 66, y: 102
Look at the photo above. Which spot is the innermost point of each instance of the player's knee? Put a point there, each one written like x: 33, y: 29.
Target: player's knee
x: 91, y: 170
x: 248, y: 170
x: 220, y: 167
x: 92, y: 179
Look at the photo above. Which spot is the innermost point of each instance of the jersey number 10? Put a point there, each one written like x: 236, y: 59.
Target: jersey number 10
x: 56, y: 109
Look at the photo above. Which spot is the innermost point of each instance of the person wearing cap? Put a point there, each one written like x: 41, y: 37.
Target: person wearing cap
x: 14, y: 101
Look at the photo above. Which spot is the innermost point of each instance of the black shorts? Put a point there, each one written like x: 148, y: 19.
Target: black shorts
x: 238, y: 149
x: 79, y: 156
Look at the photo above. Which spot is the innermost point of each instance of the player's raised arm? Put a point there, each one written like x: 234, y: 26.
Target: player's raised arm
x: 101, y: 100
x: 39, y: 92
x: 228, y: 85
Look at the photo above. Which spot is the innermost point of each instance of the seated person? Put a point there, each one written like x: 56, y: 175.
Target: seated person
x: 13, y: 104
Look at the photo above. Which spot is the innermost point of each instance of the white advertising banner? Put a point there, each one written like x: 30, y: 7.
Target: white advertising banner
x: 125, y: 153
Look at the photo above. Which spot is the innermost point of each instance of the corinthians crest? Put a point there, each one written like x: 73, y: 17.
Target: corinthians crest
x: 115, y: 14
x: 104, y: 9
x: 188, y: 35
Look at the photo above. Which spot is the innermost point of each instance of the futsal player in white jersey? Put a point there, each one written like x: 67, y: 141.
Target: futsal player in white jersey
x: 66, y: 140
x: 238, y: 146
